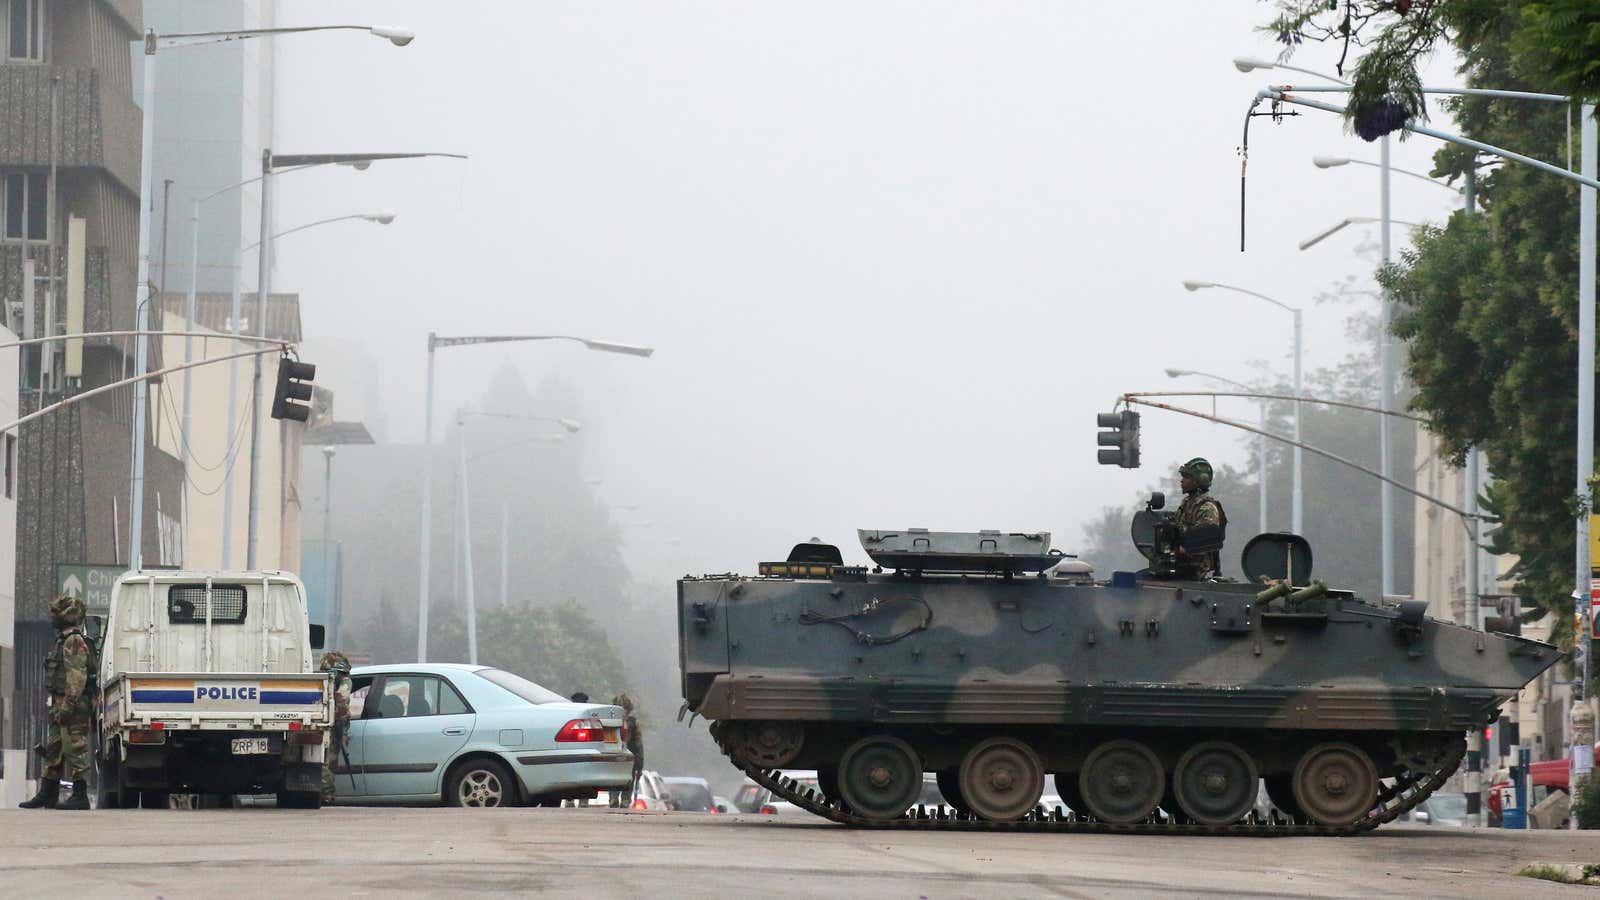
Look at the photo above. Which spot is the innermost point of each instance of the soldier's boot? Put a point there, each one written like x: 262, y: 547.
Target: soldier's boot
x: 49, y: 790
x: 80, y: 794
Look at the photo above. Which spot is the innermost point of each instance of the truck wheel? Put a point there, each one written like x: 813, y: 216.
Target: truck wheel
x: 299, y: 800
x: 107, y: 783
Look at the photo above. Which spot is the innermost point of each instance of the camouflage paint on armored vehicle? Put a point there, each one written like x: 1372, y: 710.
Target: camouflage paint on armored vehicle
x: 1155, y: 703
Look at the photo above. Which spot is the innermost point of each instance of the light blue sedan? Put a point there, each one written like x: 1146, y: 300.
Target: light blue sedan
x: 475, y: 736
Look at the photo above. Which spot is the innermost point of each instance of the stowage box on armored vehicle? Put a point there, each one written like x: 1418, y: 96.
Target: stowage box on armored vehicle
x: 1156, y: 703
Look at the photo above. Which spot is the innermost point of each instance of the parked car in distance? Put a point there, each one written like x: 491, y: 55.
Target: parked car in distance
x: 475, y: 736
x: 690, y: 794
x: 753, y: 798
x: 1440, y: 809
x: 652, y: 792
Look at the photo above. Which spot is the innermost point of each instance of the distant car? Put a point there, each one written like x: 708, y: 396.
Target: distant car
x: 690, y: 794
x: 1440, y: 809
x: 652, y: 792
x: 721, y: 804
x: 474, y: 736
x: 753, y: 798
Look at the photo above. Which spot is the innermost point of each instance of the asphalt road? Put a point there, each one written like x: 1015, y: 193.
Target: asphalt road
x: 594, y: 853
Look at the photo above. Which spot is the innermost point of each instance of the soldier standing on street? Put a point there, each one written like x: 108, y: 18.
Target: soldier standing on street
x: 334, y: 743
x: 635, y: 744
x: 1199, y: 508
x: 69, y: 707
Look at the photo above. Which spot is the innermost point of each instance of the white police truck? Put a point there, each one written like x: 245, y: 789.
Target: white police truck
x: 209, y: 686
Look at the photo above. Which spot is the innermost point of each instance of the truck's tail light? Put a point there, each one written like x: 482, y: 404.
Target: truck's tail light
x: 582, y: 731
x: 147, y: 737
x: 639, y: 803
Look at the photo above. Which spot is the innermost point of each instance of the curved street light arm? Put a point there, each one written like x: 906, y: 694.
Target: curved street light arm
x: 1256, y: 395
x: 1469, y: 92
x: 1237, y: 289
x: 1134, y: 399
x: 1541, y: 165
x: 371, y: 217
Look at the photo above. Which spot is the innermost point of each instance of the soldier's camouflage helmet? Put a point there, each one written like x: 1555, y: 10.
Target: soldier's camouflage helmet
x: 334, y: 661
x: 1199, y: 470
x: 67, y: 609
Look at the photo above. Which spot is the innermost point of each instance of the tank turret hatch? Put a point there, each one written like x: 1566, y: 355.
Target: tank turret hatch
x: 986, y: 552
x: 1278, y: 555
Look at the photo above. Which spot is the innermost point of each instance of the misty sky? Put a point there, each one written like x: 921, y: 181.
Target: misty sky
x: 894, y: 256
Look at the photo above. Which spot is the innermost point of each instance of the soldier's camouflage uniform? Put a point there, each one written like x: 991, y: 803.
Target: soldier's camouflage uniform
x: 1199, y: 508
x: 333, y: 754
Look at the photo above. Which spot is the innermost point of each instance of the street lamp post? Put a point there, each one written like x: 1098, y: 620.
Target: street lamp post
x: 235, y: 315
x: 1297, y: 518
x: 1261, y: 439
x: 335, y: 611
x: 141, y: 354
x: 269, y: 163
x: 464, y: 521
x: 434, y: 343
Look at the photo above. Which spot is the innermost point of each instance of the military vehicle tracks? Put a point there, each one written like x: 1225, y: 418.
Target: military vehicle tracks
x: 1406, y: 791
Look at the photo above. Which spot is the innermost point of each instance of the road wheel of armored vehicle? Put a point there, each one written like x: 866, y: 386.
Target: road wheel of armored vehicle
x: 1215, y: 783
x: 950, y: 787
x: 1001, y: 779
x: 480, y: 783
x: 1122, y: 782
x: 880, y: 777
x: 771, y: 745
x: 1335, y: 784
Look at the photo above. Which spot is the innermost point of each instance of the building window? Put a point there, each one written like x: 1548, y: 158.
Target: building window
x: 11, y: 466
x: 26, y: 204
x: 25, y: 30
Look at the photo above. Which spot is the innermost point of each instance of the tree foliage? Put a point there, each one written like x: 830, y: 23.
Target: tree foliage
x: 1488, y: 308
x: 1555, y: 43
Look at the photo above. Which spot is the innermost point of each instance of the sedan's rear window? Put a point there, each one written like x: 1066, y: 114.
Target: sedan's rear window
x: 690, y: 797
x: 520, y: 686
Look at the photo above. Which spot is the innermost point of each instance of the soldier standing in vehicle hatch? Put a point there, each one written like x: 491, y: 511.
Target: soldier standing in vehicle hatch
x: 1198, y: 508
x: 335, y: 742
x: 70, y: 707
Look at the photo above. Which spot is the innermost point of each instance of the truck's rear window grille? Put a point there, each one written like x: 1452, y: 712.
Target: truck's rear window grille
x: 186, y: 604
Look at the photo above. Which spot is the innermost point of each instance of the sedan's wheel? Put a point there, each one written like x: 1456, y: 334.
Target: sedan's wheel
x: 1001, y: 779
x: 950, y: 787
x: 1067, y: 790
x: 1215, y: 782
x: 480, y: 783
x: 880, y: 777
x: 1335, y: 784
x: 1122, y: 782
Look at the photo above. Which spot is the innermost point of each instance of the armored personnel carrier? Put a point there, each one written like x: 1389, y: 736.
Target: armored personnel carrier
x: 1156, y: 704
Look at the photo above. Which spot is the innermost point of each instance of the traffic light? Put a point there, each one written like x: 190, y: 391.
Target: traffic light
x: 293, y: 397
x: 1120, y: 445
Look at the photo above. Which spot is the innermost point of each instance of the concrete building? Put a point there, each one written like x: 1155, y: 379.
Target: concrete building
x: 69, y: 170
x: 214, y: 115
x: 200, y: 540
